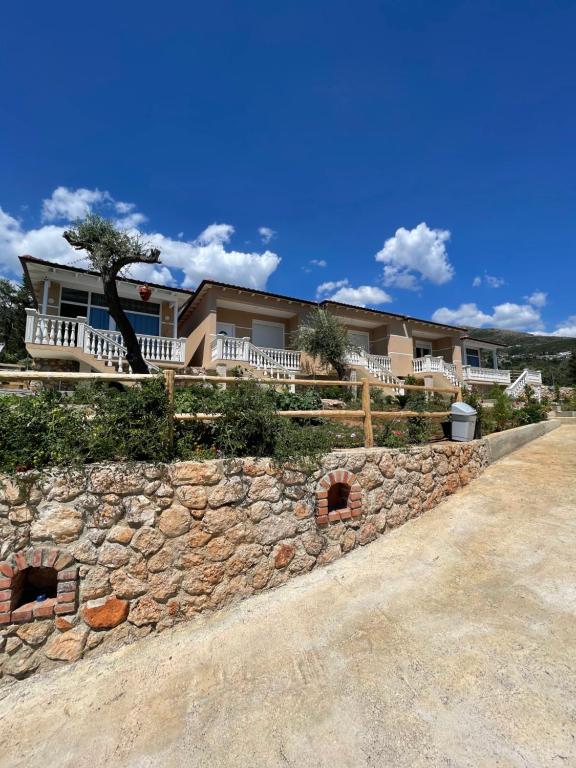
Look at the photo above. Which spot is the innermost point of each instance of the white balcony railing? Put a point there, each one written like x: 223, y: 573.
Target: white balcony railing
x: 243, y: 351
x: 431, y: 364
x: 490, y: 375
x: 55, y: 331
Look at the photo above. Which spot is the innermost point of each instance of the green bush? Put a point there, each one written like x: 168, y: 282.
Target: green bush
x: 97, y: 423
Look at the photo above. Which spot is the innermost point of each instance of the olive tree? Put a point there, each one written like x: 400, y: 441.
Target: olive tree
x: 109, y: 250
x: 325, y: 339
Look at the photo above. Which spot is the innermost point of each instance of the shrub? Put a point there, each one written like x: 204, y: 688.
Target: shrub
x: 97, y: 423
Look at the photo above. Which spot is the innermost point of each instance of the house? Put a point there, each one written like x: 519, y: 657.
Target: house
x: 71, y: 328
x: 218, y: 327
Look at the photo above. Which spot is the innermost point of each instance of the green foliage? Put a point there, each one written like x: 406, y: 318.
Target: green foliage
x: 531, y: 411
x: 392, y: 434
x: 248, y: 424
x: 96, y: 424
x: 13, y: 302
x: 325, y: 339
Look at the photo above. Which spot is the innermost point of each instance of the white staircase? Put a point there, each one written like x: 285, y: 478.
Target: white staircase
x: 276, y: 363
x: 431, y: 364
x: 527, y: 378
x: 377, y: 366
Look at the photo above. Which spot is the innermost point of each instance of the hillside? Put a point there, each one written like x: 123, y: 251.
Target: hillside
x: 525, y: 350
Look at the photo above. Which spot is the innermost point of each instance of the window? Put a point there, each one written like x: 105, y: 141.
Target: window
x: 99, y: 318
x: 144, y: 323
x: 422, y: 349
x: 473, y: 357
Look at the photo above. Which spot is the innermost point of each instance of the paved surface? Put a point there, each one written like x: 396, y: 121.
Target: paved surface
x: 450, y: 642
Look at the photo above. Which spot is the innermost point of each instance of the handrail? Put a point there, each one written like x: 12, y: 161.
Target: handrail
x: 99, y: 343
x: 249, y: 353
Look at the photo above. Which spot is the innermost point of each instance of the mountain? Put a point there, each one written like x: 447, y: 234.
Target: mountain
x: 548, y: 354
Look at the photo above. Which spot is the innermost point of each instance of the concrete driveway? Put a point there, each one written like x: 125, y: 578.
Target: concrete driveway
x: 450, y: 642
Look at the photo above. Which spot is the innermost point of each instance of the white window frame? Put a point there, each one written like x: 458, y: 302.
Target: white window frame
x: 423, y: 345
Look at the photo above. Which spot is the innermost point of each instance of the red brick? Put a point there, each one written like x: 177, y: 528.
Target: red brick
x: 322, y: 504
x: 5, y: 583
x: 334, y: 516
x: 6, y: 569
x: 332, y: 478
x: 49, y: 557
x: 22, y: 614
x: 70, y: 574
x: 67, y: 597
x: 37, y: 559
x: 21, y: 561
x: 65, y: 608
x: 322, y: 495
x: 45, y: 609
x: 6, y: 594
x: 355, y: 496
x: 325, y: 483
x: 66, y: 586
x: 5, y: 618
x: 345, y: 514
x: 354, y: 504
x: 355, y: 488
x: 356, y: 512
x: 5, y: 607
x: 322, y: 519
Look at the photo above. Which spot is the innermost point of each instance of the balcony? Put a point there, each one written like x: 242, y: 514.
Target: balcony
x: 268, y: 359
x: 432, y: 364
x: 472, y: 374
x: 67, y: 333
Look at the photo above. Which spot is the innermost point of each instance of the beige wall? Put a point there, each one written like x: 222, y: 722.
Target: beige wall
x: 53, y: 307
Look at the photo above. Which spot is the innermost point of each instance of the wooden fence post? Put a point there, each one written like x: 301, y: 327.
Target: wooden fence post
x: 367, y: 408
x: 169, y: 382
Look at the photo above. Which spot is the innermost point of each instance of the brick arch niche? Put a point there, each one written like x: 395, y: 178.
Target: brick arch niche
x: 338, y: 497
x: 37, y: 583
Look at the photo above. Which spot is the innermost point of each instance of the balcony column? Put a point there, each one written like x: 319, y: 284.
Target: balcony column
x: 495, y: 359
x: 45, y: 296
x: 175, y: 320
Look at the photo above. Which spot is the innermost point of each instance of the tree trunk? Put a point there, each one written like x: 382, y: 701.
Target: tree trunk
x: 133, y: 351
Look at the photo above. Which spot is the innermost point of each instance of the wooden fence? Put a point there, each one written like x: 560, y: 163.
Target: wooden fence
x: 366, y: 413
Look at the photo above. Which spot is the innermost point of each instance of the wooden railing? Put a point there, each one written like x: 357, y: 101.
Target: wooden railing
x: 366, y: 413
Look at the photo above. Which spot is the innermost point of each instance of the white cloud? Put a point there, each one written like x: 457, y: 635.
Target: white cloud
x: 489, y: 280
x: 363, y: 295
x: 266, y: 234
x: 205, y: 257
x: 465, y: 314
x: 567, y: 328
x: 537, y: 299
x: 321, y: 263
x: 520, y: 317
x: 416, y: 254
x: 70, y: 204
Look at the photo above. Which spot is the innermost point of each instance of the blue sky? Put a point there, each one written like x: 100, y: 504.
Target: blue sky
x: 411, y: 155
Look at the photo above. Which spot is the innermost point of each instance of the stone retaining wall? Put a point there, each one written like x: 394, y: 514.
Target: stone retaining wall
x: 134, y: 549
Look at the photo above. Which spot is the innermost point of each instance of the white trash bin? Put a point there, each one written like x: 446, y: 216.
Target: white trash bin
x: 463, y: 418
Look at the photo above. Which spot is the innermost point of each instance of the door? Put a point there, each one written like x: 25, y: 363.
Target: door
x: 360, y: 339
x: 421, y: 349
x: 265, y: 334
x: 226, y: 329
